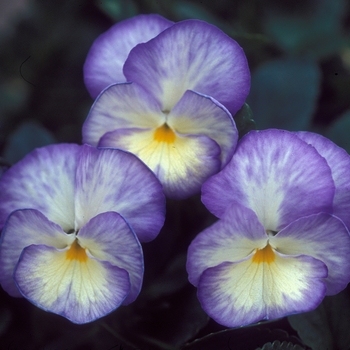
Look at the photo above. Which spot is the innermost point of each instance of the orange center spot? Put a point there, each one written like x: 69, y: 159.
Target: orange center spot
x: 265, y: 255
x: 164, y: 134
x: 76, y: 252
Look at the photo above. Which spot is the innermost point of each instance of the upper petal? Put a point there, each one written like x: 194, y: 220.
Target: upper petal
x: 43, y: 180
x: 339, y: 162
x: 121, y: 106
x: 181, y: 162
x: 191, y: 55
x: 113, y: 180
x: 198, y: 114
x: 236, y: 294
x: 323, y: 237
x: 23, y: 228
x: 277, y: 175
x: 108, y: 237
x: 80, y: 290
x: 232, y: 238
x: 105, y: 60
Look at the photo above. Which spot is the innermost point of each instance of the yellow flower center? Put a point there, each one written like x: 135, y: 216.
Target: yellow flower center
x: 265, y: 255
x: 164, y: 134
x: 76, y: 252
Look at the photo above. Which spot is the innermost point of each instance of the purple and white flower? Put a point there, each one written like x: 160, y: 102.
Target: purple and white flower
x: 73, y: 220
x: 174, y: 112
x: 277, y: 248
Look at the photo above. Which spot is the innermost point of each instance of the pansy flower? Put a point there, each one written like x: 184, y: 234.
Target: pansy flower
x: 107, y: 55
x: 71, y: 242
x: 277, y: 249
x: 175, y: 111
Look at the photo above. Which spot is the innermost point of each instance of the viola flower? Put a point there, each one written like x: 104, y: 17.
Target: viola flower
x: 277, y: 249
x: 71, y: 242
x: 174, y: 112
x: 107, y: 55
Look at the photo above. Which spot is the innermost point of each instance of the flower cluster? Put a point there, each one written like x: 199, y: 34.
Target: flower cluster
x: 74, y: 217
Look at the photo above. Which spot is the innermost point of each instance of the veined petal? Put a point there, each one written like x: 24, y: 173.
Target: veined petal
x: 43, y: 180
x: 23, y: 228
x: 105, y: 60
x: 191, y: 55
x: 236, y: 294
x: 339, y: 162
x: 108, y: 237
x: 121, y: 106
x: 323, y: 237
x: 197, y: 114
x: 277, y: 175
x: 230, y: 239
x: 81, y: 290
x: 181, y: 162
x: 113, y: 180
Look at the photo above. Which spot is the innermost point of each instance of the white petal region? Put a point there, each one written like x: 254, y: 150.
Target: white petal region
x: 70, y: 283
x: 114, y: 180
x: 191, y: 55
x: 198, y: 114
x: 108, y: 237
x: 266, y: 286
x: 105, y: 60
x: 230, y: 239
x: 23, y: 228
x: 121, y: 106
x: 277, y: 175
x: 339, y: 162
x: 323, y: 237
x: 43, y: 180
x: 181, y: 162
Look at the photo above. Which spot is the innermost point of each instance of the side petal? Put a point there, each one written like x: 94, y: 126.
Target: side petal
x: 191, y: 55
x: 182, y: 163
x: 113, y: 180
x: 108, y: 237
x: 323, y: 237
x: 80, y: 291
x: 23, y: 228
x: 198, y: 114
x: 121, y: 106
x: 237, y: 294
x: 339, y: 162
x: 230, y: 239
x: 43, y: 180
x: 105, y: 60
x: 275, y: 174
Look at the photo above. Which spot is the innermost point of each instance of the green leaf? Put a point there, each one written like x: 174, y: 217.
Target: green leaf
x: 284, y: 94
x: 244, y: 120
x: 277, y: 345
x: 327, y: 327
x: 118, y: 9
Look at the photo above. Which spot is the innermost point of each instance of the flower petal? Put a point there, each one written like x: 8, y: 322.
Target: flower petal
x: 121, y: 106
x: 105, y: 60
x: 81, y: 291
x: 108, y: 237
x: 275, y: 174
x: 236, y: 294
x: 230, y: 239
x: 23, y: 228
x: 113, y: 180
x: 323, y: 237
x: 191, y: 55
x: 197, y: 114
x: 339, y: 162
x: 43, y: 177
x: 181, y: 163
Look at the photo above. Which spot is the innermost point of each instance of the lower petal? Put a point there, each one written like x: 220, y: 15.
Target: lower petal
x: 237, y: 294
x: 181, y: 163
x: 80, y: 290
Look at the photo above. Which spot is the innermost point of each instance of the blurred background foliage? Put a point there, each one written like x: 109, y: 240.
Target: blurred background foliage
x: 299, y: 55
